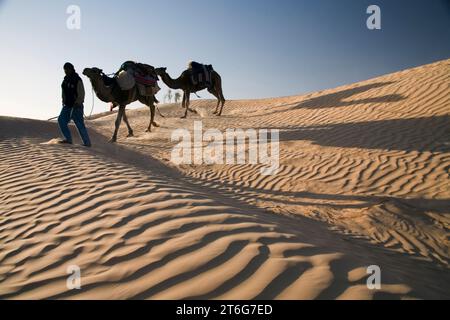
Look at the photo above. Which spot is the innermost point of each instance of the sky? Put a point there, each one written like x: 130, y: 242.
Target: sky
x: 260, y: 48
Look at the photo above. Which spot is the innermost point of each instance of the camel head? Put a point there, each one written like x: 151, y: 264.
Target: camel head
x: 102, y: 91
x: 93, y: 73
x: 161, y: 71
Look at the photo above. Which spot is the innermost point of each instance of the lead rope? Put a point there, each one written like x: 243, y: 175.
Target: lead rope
x: 93, y: 101
x: 92, y: 108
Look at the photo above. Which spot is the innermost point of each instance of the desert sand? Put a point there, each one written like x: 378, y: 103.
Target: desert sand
x: 363, y: 180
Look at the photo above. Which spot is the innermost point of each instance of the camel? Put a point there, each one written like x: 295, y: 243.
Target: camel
x: 113, y: 94
x: 184, y: 83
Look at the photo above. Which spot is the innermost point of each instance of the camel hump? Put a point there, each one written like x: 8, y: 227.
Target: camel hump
x: 127, y: 65
x: 201, y: 75
x: 197, y: 66
x: 194, y: 65
x: 141, y: 75
x: 146, y: 69
x: 137, y: 67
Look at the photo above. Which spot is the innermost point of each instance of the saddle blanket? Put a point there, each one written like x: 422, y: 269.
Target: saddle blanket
x: 146, y: 80
x: 143, y: 76
x: 201, y: 74
x: 145, y: 83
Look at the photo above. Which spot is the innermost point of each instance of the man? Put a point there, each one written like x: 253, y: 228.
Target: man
x: 72, y: 99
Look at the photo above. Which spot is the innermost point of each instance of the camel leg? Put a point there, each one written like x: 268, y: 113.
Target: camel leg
x: 118, y: 121
x: 186, y: 103
x: 222, y: 100
x: 153, y: 110
x: 214, y: 93
x: 125, y: 118
x: 218, y: 87
x: 184, y: 100
x: 217, y: 107
x: 150, y: 103
x: 152, y: 117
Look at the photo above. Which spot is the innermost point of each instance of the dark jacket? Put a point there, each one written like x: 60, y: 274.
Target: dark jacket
x: 72, y: 91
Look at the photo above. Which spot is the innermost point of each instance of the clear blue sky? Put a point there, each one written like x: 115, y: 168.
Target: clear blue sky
x: 261, y: 48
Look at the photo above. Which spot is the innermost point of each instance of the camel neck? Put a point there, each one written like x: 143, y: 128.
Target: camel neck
x: 102, y: 92
x: 171, y: 83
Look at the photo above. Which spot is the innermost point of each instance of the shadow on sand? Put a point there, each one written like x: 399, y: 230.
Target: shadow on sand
x: 415, y: 134
x: 339, y: 99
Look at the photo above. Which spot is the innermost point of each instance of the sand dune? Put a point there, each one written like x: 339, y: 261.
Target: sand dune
x: 363, y: 157
x: 363, y: 181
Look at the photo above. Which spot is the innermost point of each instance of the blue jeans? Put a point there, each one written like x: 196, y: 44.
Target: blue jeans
x: 75, y: 114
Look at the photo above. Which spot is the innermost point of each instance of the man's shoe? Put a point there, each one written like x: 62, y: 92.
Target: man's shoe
x: 65, y: 141
x: 87, y: 145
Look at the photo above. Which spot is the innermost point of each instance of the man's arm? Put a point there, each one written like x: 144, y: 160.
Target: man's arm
x: 80, y: 94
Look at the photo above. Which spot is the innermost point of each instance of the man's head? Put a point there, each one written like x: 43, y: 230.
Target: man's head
x: 69, y: 68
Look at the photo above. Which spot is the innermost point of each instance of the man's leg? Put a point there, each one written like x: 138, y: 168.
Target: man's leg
x: 63, y: 121
x: 77, y: 116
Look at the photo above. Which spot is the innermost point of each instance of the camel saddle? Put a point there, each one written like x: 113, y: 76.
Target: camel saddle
x: 144, y: 76
x: 201, y: 74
